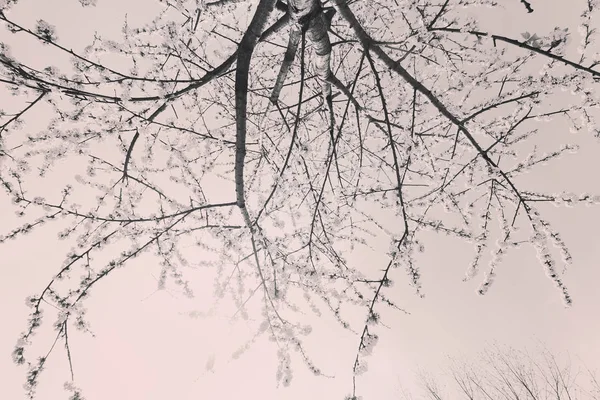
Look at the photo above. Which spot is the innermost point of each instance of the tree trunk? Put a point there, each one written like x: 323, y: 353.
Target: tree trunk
x: 308, y: 15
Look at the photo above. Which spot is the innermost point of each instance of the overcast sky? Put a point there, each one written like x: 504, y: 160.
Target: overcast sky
x: 147, y: 347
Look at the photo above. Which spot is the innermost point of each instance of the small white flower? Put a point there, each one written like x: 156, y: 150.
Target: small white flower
x: 46, y: 31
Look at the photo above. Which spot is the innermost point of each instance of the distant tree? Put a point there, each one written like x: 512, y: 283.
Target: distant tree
x: 275, y: 144
x: 506, y: 373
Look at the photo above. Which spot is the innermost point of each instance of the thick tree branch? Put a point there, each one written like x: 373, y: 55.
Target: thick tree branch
x: 288, y: 59
x: 244, y: 56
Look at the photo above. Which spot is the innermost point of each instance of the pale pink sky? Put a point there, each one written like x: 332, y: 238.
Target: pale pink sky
x: 146, y: 347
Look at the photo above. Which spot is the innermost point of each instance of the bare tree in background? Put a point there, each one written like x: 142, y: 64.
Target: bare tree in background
x: 272, y: 144
x: 506, y: 373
